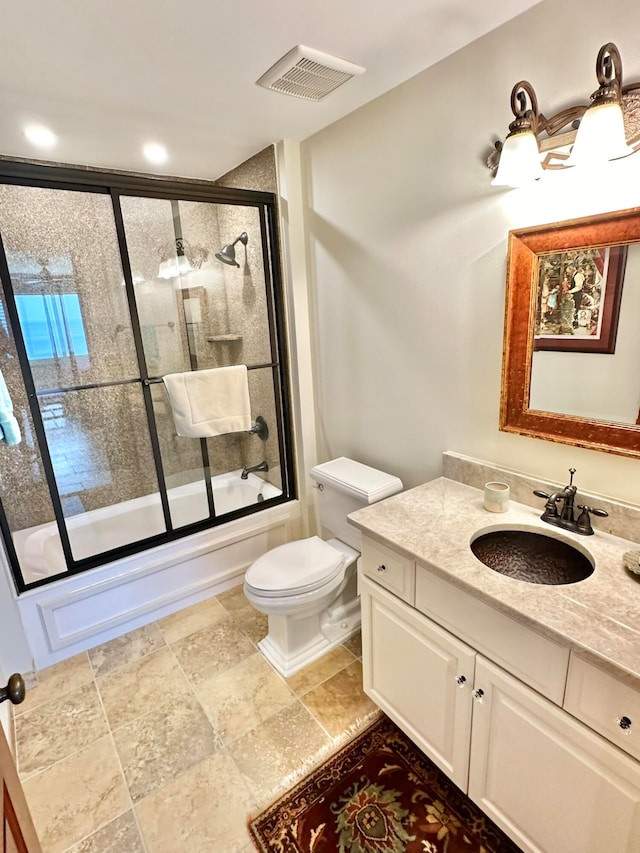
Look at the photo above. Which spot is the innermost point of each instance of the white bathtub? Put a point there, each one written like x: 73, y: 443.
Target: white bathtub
x: 40, y: 551
x: 78, y: 611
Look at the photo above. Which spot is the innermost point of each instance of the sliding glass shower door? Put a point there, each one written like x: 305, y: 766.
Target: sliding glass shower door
x: 105, y: 291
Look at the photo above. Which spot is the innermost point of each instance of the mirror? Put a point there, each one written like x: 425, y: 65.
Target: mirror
x: 571, y: 361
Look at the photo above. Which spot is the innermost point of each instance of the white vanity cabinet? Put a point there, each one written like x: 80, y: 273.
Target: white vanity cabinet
x: 550, y: 782
x: 420, y: 675
x: 547, y: 780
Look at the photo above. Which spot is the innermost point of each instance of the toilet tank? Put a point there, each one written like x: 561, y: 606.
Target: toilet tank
x: 345, y: 486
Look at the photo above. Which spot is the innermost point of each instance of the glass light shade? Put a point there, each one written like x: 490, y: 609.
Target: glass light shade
x: 168, y: 269
x: 184, y: 266
x: 519, y: 161
x: 174, y: 267
x: 600, y: 136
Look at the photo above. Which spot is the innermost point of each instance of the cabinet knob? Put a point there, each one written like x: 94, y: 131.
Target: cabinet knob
x: 382, y: 567
x: 625, y: 724
x: 461, y: 680
x: 478, y: 694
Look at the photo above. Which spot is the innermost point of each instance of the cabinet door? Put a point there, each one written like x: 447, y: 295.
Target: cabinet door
x: 411, y: 667
x: 552, y: 784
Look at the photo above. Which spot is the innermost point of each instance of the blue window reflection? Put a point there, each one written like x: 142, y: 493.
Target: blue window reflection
x: 52, y: 325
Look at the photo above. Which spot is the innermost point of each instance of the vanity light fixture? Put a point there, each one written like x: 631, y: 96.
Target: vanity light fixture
x: 179, y: 257
x: 600, y: 128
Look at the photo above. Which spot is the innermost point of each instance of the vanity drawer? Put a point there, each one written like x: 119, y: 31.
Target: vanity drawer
x: 390, y: 570
x: 601, y: 701
x: 533, y: 658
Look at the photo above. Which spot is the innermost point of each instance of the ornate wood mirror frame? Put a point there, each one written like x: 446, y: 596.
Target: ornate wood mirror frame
x: 524, y: 250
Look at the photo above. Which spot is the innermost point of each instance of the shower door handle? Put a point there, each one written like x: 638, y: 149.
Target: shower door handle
x: 15, y: 689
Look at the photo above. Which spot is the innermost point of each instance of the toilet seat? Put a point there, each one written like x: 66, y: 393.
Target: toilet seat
x: 295, y: 568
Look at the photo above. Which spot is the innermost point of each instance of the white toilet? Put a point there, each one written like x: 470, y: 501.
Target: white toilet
x: 308, y: 588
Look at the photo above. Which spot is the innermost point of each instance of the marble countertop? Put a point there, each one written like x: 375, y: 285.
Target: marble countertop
x: 435, y: 524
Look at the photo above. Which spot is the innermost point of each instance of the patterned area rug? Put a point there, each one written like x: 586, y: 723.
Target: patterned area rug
x: 379, y: 794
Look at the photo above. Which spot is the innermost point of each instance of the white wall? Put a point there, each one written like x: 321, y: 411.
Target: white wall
x: 408, y: 241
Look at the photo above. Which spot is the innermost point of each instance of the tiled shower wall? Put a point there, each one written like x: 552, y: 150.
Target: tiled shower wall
x: 109, y: 459
x: 258, y: 173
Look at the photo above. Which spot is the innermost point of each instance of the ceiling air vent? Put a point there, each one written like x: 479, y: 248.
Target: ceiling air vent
x: 308, y: 73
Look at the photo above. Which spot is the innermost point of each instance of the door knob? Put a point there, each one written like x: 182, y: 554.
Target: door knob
x: 15, y: 690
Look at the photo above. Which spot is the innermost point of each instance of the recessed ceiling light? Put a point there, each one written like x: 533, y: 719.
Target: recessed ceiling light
x: 40, y: 136
x: 155, y: 153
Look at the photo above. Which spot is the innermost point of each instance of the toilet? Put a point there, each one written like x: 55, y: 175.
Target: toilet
x: 308, y: 588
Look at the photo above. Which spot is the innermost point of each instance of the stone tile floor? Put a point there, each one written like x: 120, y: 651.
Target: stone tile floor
x: 166, y: 739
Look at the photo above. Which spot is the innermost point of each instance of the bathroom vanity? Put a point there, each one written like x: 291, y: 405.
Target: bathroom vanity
x: 527, y: 696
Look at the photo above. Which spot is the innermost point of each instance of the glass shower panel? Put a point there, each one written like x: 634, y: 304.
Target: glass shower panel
x: 230, y: 321
x: 182, y: 464
x: 64, y: 263
x: 151, y: 244
x: 101, y: 454
x: 197, y: 312
x: 100, y: 469
x: 23, y: 483
x: 232, y: 491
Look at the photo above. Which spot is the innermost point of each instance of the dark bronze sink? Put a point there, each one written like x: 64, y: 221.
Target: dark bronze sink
x: 532, y: 557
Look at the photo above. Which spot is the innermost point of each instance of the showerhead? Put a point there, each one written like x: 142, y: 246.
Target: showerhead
x: 227, y: 254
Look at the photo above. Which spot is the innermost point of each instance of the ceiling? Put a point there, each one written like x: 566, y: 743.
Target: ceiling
x: 108, y: 76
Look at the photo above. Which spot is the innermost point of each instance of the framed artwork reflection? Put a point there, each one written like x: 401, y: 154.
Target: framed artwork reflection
x: 578, y: 299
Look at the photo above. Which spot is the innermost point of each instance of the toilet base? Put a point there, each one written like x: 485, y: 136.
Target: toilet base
x: 292, y: 644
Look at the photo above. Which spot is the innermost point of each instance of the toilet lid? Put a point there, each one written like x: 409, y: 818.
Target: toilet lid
x: 300, y: 566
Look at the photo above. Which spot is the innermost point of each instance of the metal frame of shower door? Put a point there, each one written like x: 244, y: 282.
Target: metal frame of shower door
x: 38, y: 423
x: 104, y: 183
x: 278, y: 340
x: 142, y: 362
x: 73, y: 566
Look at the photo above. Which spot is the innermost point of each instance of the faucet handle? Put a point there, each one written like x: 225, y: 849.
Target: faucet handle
x: 540, y: 494
x: 583, y: 522
x: 550, y: 508
x: 572, y: 471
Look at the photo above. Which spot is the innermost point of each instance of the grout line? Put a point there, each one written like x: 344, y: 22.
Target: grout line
x: 328, y: 678
x: 122, y: 773
x: 257, y: 801
x: 69, y: 755
x: 97, y: 675
x: 43, y: 684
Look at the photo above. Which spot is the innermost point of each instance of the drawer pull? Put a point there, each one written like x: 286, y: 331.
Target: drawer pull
x: 461, y: 680
x: 478, y: 694
x: 625, y: 724
x: 382, y: 567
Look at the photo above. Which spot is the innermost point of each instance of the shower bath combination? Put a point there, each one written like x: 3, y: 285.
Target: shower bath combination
x: 99, y: 438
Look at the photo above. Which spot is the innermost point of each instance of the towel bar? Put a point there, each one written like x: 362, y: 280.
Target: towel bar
x: 260, y: 426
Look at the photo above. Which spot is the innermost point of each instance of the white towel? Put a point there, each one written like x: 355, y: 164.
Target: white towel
x: 210, y: 402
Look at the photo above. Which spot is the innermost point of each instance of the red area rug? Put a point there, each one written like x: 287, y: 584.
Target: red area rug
x: 379, y: 794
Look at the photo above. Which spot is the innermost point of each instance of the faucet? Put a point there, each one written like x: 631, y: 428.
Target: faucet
x: 566, y: 517
x: 263, y: 466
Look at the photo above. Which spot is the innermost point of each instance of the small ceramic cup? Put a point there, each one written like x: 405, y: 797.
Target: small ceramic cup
x: 496, y: 497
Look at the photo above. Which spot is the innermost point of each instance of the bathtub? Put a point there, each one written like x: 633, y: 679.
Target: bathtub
x: 80, y: 610
x: 40, y: 552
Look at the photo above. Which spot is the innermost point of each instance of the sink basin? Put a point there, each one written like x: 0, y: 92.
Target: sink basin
x: 532, y: 557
